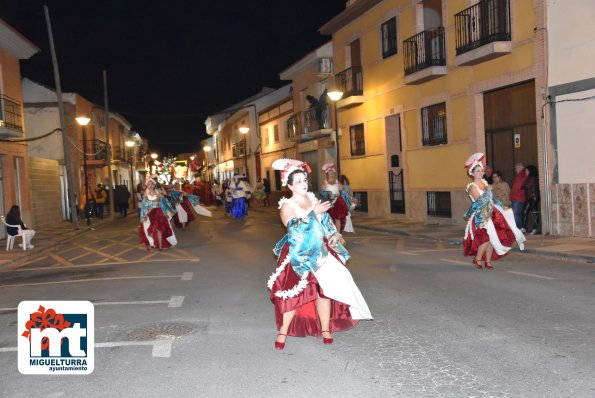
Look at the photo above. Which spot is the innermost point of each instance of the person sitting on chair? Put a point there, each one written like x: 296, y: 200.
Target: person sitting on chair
x: 14, y: 218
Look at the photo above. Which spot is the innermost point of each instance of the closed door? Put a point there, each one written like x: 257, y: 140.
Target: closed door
x: 311, y: 157
x: 395, y: 164
x: 2, y: 230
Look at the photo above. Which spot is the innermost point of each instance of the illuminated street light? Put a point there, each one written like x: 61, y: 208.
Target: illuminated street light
x: 83, y: 121
x: 154, y: 156
x: 335, y: 96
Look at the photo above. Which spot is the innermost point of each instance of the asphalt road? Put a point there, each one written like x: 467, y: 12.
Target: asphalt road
x: 196, y: 320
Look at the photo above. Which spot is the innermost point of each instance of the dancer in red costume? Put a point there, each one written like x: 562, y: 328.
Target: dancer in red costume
x: 313, y: 291
x: 331, y: 191
x: 155, y: 230
x: 491, y: 230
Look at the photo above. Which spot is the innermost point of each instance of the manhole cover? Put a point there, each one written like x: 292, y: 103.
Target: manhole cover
x: 160, y: 331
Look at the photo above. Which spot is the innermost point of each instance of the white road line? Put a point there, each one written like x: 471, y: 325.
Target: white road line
x: 161, y: 348
x: 187, y: 276
x: 173, y: 302
x: 408, y: 253
x: 176, y: 301
x: 532, y: 275
x: 94, y: 280
x: 457, y: 262
x: 102, y: 264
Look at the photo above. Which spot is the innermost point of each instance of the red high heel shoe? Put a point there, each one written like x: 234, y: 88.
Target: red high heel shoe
x: 477, y: 263
x: 488, y: 265
x: 325, y: 340
x: 279, y: 345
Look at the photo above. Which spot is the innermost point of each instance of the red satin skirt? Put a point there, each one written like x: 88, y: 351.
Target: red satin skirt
x: 480, y: 236
x: 339, y: 209
x: 158, y: 222
x: 187, y: 206
x: 306, y: 321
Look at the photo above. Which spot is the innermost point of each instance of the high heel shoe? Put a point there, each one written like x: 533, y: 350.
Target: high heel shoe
x: 488, y: 265
x: 477, y: 263
x: 279, y: 345
x: 325, y: 340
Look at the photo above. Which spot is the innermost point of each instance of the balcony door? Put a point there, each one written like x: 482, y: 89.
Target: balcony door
x: 395, y: 164
x: 2, y: 230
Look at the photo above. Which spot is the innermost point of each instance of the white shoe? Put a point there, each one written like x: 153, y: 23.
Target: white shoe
x: 523, y: 230
x: 20, y: 245
x: 30, y: 246
x: 533, y: 232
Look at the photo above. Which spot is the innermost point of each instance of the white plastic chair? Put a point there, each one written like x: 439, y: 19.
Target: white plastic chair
x: 10, y: 238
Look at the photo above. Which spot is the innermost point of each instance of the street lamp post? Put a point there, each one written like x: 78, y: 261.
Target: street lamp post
x: 335, y: 96
x: 244, y: 130
x: 130, y: 145
x: 207, y: 149
x: 83, y: 121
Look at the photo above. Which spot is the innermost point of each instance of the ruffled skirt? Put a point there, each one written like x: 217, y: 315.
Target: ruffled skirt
x: 339, y: 209
x: 333, y: 280
x: 500, y: 230
x: 180, y: 218
x: 156, y: 221
x: 239, y: 208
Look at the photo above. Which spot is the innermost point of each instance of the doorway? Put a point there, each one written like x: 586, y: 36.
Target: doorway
x: 395, y: 164
x: 510, y: 128
x: 311, y: 157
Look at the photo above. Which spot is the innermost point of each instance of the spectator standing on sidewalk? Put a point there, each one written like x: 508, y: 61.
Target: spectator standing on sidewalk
x: 531, y: 188
x: 267, y: 190
x: 490, y: 231
x: 501, y: 189
x: 517, y: 194
x: 100, y: 199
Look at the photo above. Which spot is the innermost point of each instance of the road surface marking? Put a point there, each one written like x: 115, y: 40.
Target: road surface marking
x: 176, y: 301
x: 100, y: 253
x: 532, y: 275
x: 59, y: 259
x: 173, y: 302
x: 187, y: 276
x: 455, y: 261
x: 80, y: 256
x: 97, y: 280
x: 408, y: 253
x: 124, y: 251
x: 166, y: 260
x: 161, y: 348
x: 33, y: 261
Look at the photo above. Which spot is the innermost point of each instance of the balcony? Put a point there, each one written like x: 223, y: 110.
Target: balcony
x: 237, y: 150
x: 121, y: 154
x: 96, y: 151
x: 11, y: 119
x: 424, y: 56
x: 310, y: 124
x: 351, y: 83
x: 483, y: 32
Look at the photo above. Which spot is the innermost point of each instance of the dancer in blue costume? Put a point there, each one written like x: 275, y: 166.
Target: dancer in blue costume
x: 312, y: 290
x: 241, y: 192
x: 156, y: 211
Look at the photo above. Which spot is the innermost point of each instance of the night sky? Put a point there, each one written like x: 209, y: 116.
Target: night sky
x: 169, y: 63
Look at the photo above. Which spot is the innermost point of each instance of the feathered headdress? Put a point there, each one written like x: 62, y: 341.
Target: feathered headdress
x: 328, y: 167
x: 151, y: 178
x: 288, y: 166
x: 473, y: 161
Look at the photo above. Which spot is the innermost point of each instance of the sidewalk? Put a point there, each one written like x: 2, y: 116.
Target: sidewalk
x: 563, y: 247
x: 45, y: 239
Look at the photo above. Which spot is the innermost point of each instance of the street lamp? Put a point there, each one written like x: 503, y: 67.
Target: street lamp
x: 207, y: 149
x: 335, y: 96
x: 83, y: 121
x: 244, y: 130
x: 130, y: 145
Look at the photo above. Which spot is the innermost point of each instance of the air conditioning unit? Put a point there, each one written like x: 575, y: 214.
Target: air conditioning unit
x: 325, y: 66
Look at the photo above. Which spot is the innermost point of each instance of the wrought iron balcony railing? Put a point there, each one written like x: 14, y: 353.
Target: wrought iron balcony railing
x: 237, y: 149
x: 313, y: 119
x: 485, y: 22
x: 351, y: 81
x: 424, y: 50
x: 10, y: 114
x: 121, y: 154
x: 95, y: 149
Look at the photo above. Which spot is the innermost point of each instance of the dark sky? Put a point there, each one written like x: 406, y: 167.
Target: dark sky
x: 169, y: 63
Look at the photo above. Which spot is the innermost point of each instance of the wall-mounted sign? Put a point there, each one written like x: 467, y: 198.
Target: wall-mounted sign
x: 517, y: 140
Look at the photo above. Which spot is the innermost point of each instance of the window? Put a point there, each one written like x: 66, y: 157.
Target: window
x: 362, y: 201
x: 358, y: 144
x: 276, y: 133
x: 389, y: 37
x: 433, y: 124
x: 267, y: 139
x: 439, y: 204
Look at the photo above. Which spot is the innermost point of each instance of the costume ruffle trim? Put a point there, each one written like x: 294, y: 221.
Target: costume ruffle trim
x: 289, y: 293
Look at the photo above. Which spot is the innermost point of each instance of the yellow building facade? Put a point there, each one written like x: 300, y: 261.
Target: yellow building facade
x: 426, y: 83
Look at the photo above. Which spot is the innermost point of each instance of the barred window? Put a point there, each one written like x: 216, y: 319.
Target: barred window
x: 276, y: 132
x: 439, y: 204
x: 433, y: 123
x: 389, y: 37
x: 357, y: 138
